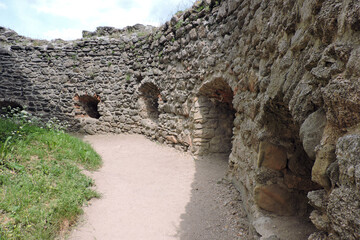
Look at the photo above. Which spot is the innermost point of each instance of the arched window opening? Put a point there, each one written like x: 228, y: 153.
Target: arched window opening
x: 213, y: 119
x: 87, y: 106
x: 148, y: 101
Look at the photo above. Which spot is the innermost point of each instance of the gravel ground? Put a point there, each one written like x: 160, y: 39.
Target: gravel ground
x: 154, y: 192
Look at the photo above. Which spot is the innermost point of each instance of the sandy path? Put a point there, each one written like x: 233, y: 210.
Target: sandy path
x: 153, y: 192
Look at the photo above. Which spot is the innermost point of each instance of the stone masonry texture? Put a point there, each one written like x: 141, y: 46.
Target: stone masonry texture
x: 274, y: 85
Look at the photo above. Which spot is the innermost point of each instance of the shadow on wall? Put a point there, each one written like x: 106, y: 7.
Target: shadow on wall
x: 17, y: 89
x: 11, y: 81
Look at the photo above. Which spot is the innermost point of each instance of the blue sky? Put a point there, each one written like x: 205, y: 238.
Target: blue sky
x: 50, y: 19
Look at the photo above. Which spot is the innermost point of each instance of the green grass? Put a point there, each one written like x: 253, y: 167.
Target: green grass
x: 42, y: 188
x: 179, y: 24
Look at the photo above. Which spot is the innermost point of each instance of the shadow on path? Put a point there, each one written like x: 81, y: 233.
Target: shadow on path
x: 214, y: 210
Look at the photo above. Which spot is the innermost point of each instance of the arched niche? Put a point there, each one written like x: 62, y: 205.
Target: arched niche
x: 283, y: 167
x: 87, y: 106
x: 148, y: 101
x: 213, y: 119
x: 6, y: 106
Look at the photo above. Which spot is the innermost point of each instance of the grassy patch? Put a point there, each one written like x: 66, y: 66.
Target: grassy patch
x: 42, y: 188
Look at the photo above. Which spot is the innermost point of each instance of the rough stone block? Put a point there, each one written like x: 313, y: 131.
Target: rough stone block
x: 321, y: 221
x: 172, y: 139
x: 200, y: 140
x: 193, y: 34
x: 324, y: 157
x: 318, y: 199
x: 342, y: 99
x: 348, y: 158
x: 299, y: 182
x: 272, y: 156
x: 197, y: 116
x: 276, y: 199
x: 353, y: 65
x: 311, y: 132
x: 186, y: 140
x: 344, y: 212
x: 204, y: 133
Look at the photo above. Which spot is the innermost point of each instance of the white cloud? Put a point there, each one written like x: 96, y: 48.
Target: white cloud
x: 118, y: 13
x: 65, y: 34
x: 3, y: 5
x: 91, y: 11
x: 67, y: 18
x: 90, y: 14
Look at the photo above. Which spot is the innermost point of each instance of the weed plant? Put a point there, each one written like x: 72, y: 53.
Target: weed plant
x: 42, y: 188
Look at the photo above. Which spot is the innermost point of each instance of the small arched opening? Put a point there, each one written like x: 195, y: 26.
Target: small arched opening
x: 148, y: 101
x: 213, y: 118
x: 87, y: 106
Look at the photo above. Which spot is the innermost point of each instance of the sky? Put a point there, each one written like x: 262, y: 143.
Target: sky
x: 51, y: 19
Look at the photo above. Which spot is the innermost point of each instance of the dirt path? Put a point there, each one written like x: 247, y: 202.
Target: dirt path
x: 153, y: 192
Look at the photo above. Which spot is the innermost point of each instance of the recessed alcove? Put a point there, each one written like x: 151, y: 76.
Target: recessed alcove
x: 148, y: 101
x: 6, y: 106
x: 284, y: 169
x: 213, y: 117
x: 87, y: 106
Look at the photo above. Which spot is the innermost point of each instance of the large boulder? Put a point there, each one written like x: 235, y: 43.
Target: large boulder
x: 311, y: 132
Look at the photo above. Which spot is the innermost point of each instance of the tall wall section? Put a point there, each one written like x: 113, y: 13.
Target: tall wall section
x: 273, y: 84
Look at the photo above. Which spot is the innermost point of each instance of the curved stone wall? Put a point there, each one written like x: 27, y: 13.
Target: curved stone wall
x: 275, y: 84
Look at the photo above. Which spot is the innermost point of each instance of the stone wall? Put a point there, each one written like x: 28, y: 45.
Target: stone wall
x: 274, y: 84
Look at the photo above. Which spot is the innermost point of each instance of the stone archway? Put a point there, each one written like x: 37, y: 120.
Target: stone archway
x: 87, y: 106
x: 213, y: 116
